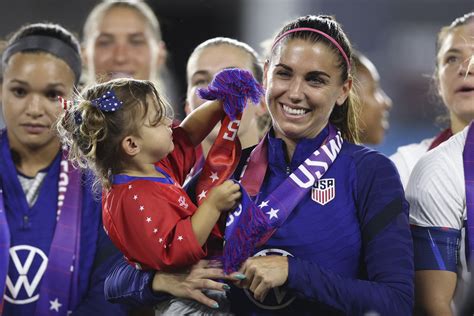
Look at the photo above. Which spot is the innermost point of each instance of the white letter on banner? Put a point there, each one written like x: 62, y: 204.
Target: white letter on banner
x: 232, y: 129
x: 334, y: 149
x: 301, y: 184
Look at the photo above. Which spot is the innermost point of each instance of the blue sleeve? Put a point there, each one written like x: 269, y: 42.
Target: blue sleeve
x: 94, y: 302
x: 436, y: 248
x: 125, y: 284
x: 97, y: 254
x: 385, y: 284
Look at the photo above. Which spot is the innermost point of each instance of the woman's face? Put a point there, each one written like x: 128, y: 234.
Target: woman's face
x: 375, y: 104
x: 455, y: 81
x: 122, y: 46
x: 32, y: 83
x: 303, y: 84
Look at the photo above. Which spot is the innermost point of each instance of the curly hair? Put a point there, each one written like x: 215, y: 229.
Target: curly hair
x: 94, y: 137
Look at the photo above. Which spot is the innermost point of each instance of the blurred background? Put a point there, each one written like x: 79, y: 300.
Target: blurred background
x: 397, y: 35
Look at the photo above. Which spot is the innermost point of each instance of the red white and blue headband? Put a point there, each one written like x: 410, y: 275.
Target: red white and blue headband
x: 332, y: 40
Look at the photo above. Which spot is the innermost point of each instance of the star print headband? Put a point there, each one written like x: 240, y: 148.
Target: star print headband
x: 308, y: 29
x: 108, y: 102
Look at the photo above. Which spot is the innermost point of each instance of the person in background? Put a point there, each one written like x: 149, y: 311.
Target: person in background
x: 206, y: 60
x: 441, y: 193
x: 453, y: 48
x: 347, y: 251
x: 54, y: 252
x: 122, y: 39
x: 375, y: 104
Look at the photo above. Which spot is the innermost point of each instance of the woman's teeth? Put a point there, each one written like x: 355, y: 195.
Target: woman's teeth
x: 292, y: 111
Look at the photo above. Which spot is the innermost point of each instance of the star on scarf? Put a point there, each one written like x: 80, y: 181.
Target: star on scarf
x: 214, y: 176
x: 55, y: 305
x: 273, y: 213
x: 263, y: 204
x: 202, y: 195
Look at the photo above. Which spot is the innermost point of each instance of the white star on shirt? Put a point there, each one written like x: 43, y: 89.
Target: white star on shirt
x: 130, y: 186
x: 142, y: 207
x: 263, y: 204
x: 202, y: 195
x: 214, y: 176
x: 55, y: 305
x: 135, y: 197
x: 273, y: 213
x: 160, y: 240
x: 148, y: 219
x: 155, y: 231
x: 180, y: 238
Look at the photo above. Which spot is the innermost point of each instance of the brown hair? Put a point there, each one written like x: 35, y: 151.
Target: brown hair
x: 94, y: 137
x: 344, y: 117
x: 444, y: 119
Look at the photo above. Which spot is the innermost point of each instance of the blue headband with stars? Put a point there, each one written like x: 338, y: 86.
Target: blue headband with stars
x: 107, y: 102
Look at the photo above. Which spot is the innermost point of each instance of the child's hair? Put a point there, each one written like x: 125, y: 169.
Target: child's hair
x: 94, y: 136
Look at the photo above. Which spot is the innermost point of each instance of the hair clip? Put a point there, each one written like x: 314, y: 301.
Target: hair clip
x: 66, y: 104
x: 77, y: 117
x: 107, y: 102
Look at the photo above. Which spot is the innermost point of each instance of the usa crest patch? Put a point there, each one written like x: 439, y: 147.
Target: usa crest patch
x: 323, y: 191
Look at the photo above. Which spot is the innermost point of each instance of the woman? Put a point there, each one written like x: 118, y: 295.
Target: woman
x: 346, y: 246
x: 54, y: 253
x: 206, y: 60
x: 452, y: 48
x: 440, y: 189
x: 122, y: 38
x: 375, y: 103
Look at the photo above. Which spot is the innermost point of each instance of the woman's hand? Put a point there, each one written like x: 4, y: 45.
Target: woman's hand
x: 189, y: 284
x: 264, y: 273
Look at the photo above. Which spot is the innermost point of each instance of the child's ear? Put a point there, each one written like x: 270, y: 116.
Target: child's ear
x: 130, y: 146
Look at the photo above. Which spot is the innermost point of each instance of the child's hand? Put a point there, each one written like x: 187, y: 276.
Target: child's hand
x: 225, y: 196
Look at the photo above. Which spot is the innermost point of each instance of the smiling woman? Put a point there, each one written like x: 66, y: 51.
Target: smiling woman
x: 122, y: 38
x: 40, y: 63
x: 336, y: 239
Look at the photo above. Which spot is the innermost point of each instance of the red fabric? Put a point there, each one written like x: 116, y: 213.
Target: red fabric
x: 220, y: 164
x: 150, y: 222
x: 180, y: 161
x: 441, y: 138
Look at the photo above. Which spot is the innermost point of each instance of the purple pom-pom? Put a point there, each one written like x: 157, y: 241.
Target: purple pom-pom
x: 234, y: 87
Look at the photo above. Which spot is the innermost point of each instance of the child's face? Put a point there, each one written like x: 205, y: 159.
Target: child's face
x: 156, y: 141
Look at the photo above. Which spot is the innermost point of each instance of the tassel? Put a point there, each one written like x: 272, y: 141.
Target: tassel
x: 251, y: 230
x: 234, y: 87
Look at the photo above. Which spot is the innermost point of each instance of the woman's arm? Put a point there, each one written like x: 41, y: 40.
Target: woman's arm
x: 124, y: 284
x: 201, y: 121
x: 388, y: 290
x: 94, y: 302
x: 387, y: 254
x: 434, y: 291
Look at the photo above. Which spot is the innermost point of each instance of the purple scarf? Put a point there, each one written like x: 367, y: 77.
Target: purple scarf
x: 59, y: 285
x: 250, y: 226
x: 468, y: 161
